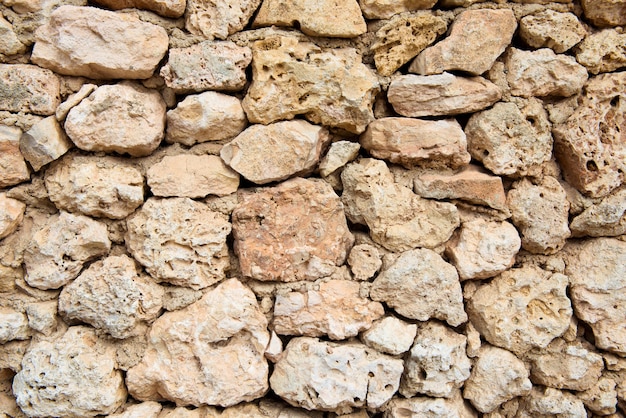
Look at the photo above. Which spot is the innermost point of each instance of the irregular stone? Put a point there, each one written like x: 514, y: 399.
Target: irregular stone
x: 209, y: 65
x: 427, y: 407
x: 95, y: 43
x: 97, y: 186
x: 483, y: 249
x: 208, y: 116
x: 210, y: 352
x: 338, y: 155
x: 330, y: 87
x: 74, y: 375
x: 218, y: 18
x: 522, y: 308
x: 398, y: 219
x: 476, y: 39
x: 56, y: 253
x: 390, y: 335
x: 148, y: 409
x: 44, y: 142
x: 605, y: 218
x: 176, y: 297
x: 314, y: 374
x: 604, y: 13
x: 42, y: 316
x: 73, y: 100
x: 28, y: 88
x: 420, y: 285
x: 551, y: 29
x: 403, y: 37
x: 497, y: 376
x: 293, y: 231
x: 264, y: 154
x: 9, y: 42
x: 179, y: 241
x: 313, y: 18
x: 384, y: 9
x: 11, y: 214
x: 601, y: 398
x: 13, y: 169
x: 13, y: 325
x: 602, y: 52
x: 274, y: 348
x: 549, y: 402
x: 167, y: 8
x: 441, y: 94
x: 364, y: 261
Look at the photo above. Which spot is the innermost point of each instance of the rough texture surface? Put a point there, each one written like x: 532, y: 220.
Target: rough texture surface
x: 390, y: 335
x: 44, y: 142
x: 218, y: 18
x: 13, y: 169
x: 28, y: 88
x: 11, y: 214
x: 602, y: 52
x: 605, y: 13
x: 167, y: 8
x: 558, y: 31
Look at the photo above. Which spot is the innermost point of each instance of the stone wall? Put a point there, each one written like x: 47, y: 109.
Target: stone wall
x: 312, y: 208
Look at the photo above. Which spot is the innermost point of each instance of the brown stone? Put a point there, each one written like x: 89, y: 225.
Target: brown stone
x: 551, y: 29
x: 384, y: 9
x: 9, y: 42
x: 605, y: 218
x: 338, y: 155
x: 13, y: 169
x: 604, y: 13
x: 602, y: 52
x: 167, y: 8
x: 11, y: 214
x: 28, y: 88
x: 427, y: 407
x: 218, y: 18
x: 44, y: 142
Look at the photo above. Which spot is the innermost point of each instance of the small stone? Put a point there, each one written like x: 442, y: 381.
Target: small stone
x: 11, y: 214
x: 9, y: 42
x: 28, y: 88
x: 364, y: 261
x: 73, y: 100
x: 44, y: 142
x: 551, y: 29
x: 150, y: 409
x: 602, y: 52
x: 13, y: 169
x: 604, y: 13
x: 209, y: 65
x: 264, y: 154
x: 420, y: 285
x: 384, y: 9
x: 208, y: 116
x: 601, y: 398
x: 274, y: 348
x: 603, y: 219
x: 176, y: 297
x: 42, y: 316
x: 13, y: 325
x: 167, y: 8
x: 218, y: 18
x: 390, y: 335
x: 99, y: 44
x: 476, y: 39
x: 427, y: 407
x: 339, y: 154
x: 551, y: 402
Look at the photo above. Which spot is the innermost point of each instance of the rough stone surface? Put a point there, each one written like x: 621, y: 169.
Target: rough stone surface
x: 384, y: 9
x: 605, y: 13
x: 338, y: 155
x: 218, y: 18
x: 9, y: 42
x: 364, y: 261
x: 13, y: 169
x: 427, y: 407
x: 603, y: 219
x: 390, y: 335
x: 549, y: 402
x: 11, y: 214
x: 13, y: 325
x: 294, y: 231
x: 551, y: 29
x: 150, y: 409
x: 28, y: 88
x: 73, y: 100
x: 601, y: 398
x: 602, y: 52
x: 44, y: 142
x: 167, y: 8
x: 42, y: 316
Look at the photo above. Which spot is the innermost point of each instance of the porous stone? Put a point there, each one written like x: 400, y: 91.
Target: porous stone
x: 11, y: 214
x: 13, y: 325
x: 338, y: 155
x: 420, y: 285
x: 551, y: 29
x: 384, y: 9
x: 210, y: 352
x: 44, y: 142
x: 364, y: 261
x: 602, y: 219
x: 150, y: 409
x: 604, y: 13
x: 331, y: 87
x: 427, y: 407
x: 13, y: 169
x: 9, y: 42
x: 390, y: 335
x: 218, y: 18
x: 601, y: 398
x: 296, y: 230
x: 42, y: 316
x: 602, y: 52
x: 167, y: 8
x: 549, y: 402
x: 95, y: 43
x: 179, y: 241
x: 28, y: 88
x: 440, y: 94
x: 321, y: 375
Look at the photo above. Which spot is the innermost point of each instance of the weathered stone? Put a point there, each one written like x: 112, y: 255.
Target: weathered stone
x: 314, y: 17
x: 522, y: 308
x: 208, y: 116
x: 497, y: 376
x: 42, y: 316
x: 11, y: 214
x: 605, y: 218
x: 338, y: 155
x: 420, y: 285
x: 390, y: 335
x: 209, y: 65
x: 218, y: 18
x: 44, y: 142
x: 264, y: 154
x: 73, y: 100
x: 330, y: 87
x: 294, y: 231
x: 321, y: 375
x: 602, y: 52
x: 274, y: 348
x: 426, y: 407
x: 74, y: 375
x: 364, y: 261
x: 95, y: 43
x: 605, y: 12
x: 551, y: 29
x: 57, y: 252
x: 9, y: 42
x: 176, y: 297
x: 210, y: 352
x: 601, y: 398
x: 28, y: 88
x: 167, y: 8
x: 13, y: 169
x: 148, y: 409
x: 13, y: 325
x: 477, y: 38
x: 549, y: 402
x: 441, y: 94
x: 179, y: 241
x: 97, y: 186
x: 384, y: 9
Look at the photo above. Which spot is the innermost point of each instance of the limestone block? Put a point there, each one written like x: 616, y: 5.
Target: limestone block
x: 384, y: 9
x: 522, y: 308
x: 420, y: 285
x: 604, y: 13
x: 440, y: 94
x: 330, y: 87
x: 476, y: 39
x: 177, y: 297
x: 549, y: 402
x: 179, y: 241
x: 9, y: 42
x: 427, y: 407
x: 210, y: 352
x: 338, y: 155
x: 601, y: 398
x: 208, y: 116
x: 417, y: 142
x: 13, y: 325
x: 209, y: 65
x: 602, y: 52
x: 74, y: 375
x: 148, y: 409
x: 11, y: 214
x: 364, y: 261
x: 390, y: 335
x: 42, y: 316
x: 218, y: 18
x: 274, y: 348
x: 28, y: 88
x: 327, y: 376
x: 296, y: 230
x: 95, y: 43
x: 107, y: 187
x: 167, y: 8
x: 604, y: 218
x: 13, y: 169
x: 551, y: 29
x: 44, y: 142
x: 73, y: 100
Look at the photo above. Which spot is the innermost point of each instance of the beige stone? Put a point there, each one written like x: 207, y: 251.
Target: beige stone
x: 390, y: 335
x: 476, y: 39
x: 28, y: 88
x: 73, y: 100
x: 13, y: 169
x: 364, y: 261
x: 167, y: 8
x: 420, y: 285
x: 604, y: 13
x: 604, y: 218
x: 384, y: 9
x: 209, y: 65
x: 148, y: 409
x: 427, y: 407
x: 296, y: 230
x: 42, y: 316
x: 274, y: 348
x: 13, y: 325
x: 11, y: 214
x: 218, y: 18
x: 602, y: 52
x: 179, y: 241
x: 95, y: 43
x: 601, y: 398
x: 9, y: 42
x: 330, y: 87
x: 210, y: 352
x: 551, y: 29
x: 44, y: 142
x: 338, y: 155
x: 549, y: 402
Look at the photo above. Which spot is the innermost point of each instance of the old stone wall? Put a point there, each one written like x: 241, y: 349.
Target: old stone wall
x: 312, y: 208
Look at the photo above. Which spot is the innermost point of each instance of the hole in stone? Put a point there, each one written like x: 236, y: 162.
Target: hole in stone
x: 592, y: 166
x: 296, y: 24
x: 615, y: 101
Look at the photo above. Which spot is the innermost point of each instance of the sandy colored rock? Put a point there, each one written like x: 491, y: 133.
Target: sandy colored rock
x: 13, y: 325
x: 95, y: 43
x: 13, y: 169
x: 210, y: 352
x: 321, y: 375
x: 338, y: 155
x: 167, y: 8
x: 602, y: 219
x: 179, y: 241
x: 427, y: 407
x: 44, y: 142
x: 314, y: 17
x: 601, y: 398
x: 218, y: 18
x: 549, y: 402
x: 604, y: 13
x: 208, y: 116
x: 390, y: 335
x: 420, y: 285
x: 9, y: 42
x: 11, y: 214
x: 330, y: 87
x: 296, y: 230
x: 551, y: 29
x: 42, y: 316
x: 73, y: 100
x: 476, y: 39
x: 209, y: 65
x: 602, y: 52
x: 74, y: 375
x: 364, y: 261
x: 148, y: 409
x: 28, y: 88
x: 384, y: 9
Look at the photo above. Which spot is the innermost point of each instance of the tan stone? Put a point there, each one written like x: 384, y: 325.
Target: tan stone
x: 42, y: 316
x: 294, y: 231
x: 476, y: 39
x: 179, y: 241
x: 73, y: 100
x: 384, y: 9
x: 551, y: 29
x: 95, y: 43
x: 11, y: 214
x: 604, y: 218
x: 604, y: 13
x: 218, y: 18
x: 551, y: 402
x: 602, y: 52
x: 390, y: 335
x: 338, y: 155
x: 274, y: 348
x: 9, y: 42
x: 364, y: 261
x: 13, y: 169
x: 601, y: 398
x: 28, y: 88
x: 167, y: 8
x: 44, y: 142
x: 330, y: 87
x: 427, y: 407
x: 148, y: 409
x: 420, y: 285
x: 209, y: 65
x: 14, y: 325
